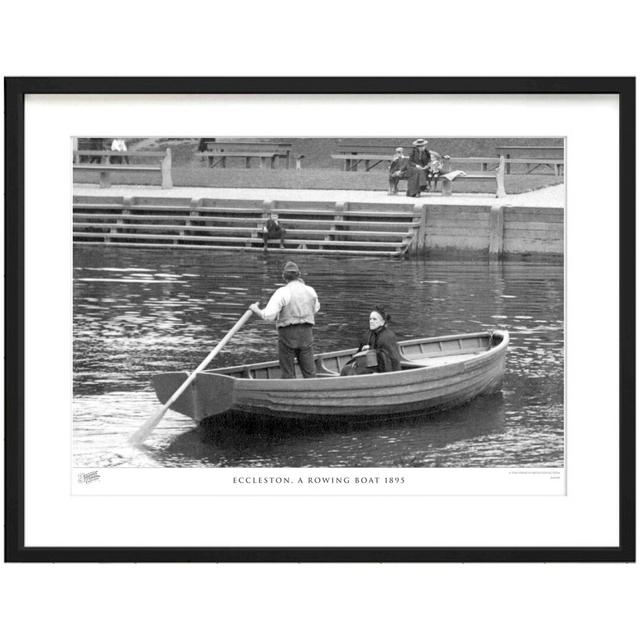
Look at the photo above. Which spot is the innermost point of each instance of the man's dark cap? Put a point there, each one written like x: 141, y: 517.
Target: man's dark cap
x: 291, y: 267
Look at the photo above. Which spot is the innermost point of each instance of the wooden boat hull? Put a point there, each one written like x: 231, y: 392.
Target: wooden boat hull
x: 438, y: 374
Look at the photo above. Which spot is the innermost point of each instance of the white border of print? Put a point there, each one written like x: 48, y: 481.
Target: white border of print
x: 586, y: 516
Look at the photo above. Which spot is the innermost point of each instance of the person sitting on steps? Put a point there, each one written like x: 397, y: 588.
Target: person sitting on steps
x: 273, y: 229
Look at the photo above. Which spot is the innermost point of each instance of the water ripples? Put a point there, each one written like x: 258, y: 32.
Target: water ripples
x: 137, y: 313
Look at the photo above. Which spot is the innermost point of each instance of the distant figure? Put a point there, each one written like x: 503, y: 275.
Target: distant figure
x: 378, y: 351
x: 273, y: 229
x: 418, y: 162
x: 398, y: 169
x: 293, y: 307
x: 119, y: 144
x: 203, y: 147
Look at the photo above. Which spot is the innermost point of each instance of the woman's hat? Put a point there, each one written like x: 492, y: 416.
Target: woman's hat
x: 291, y: 267
x: 420, y: 142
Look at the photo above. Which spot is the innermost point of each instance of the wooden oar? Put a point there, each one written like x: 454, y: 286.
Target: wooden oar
x: 143, y: 432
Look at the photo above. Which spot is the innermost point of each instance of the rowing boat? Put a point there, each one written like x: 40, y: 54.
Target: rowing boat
x: 437, y: 373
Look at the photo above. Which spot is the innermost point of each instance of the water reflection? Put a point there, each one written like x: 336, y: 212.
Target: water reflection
x: 393, y: 443
x: 140, y: 312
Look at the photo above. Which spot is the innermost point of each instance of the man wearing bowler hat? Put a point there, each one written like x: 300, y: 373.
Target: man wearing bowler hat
x: 293, y: 308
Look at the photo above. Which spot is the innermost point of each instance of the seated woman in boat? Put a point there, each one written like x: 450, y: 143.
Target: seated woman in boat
x: 378, y: 351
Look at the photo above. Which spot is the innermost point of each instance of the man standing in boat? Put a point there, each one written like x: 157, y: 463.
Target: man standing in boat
x: 293, y: 308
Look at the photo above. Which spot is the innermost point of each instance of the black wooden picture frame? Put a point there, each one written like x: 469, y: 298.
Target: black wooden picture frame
x: 16, y: 90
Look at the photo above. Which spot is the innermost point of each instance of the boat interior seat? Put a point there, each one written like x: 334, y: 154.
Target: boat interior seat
x: 408, y: 364
x: 441, y: 359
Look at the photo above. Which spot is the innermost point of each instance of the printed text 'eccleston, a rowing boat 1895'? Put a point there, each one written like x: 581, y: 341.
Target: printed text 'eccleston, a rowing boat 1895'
x: 437, y: 374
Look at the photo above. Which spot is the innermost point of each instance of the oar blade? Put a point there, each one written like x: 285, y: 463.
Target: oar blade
x: 141, y: 434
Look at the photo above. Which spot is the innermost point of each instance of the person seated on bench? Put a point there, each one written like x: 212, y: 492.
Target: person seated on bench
x: 273, y: 229
x: 378, y: 352
x: 434, y: 170
x: 119, y: 144
x: 418, y: 161
x: 398, y: 170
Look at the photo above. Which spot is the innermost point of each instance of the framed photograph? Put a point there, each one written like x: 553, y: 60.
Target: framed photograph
x: 320, y: 319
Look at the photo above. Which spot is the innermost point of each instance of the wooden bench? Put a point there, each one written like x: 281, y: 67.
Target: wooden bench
x: 486, y: 173
x: 352, y: 160
x: 493, y: 175
x: 370, y: 156
x: 271, y: 151
x: 353, y: 154
x: 491, y: 164
x: 533, y: 156
x: 556, y: 165
x: 106, y: 169
x: 216, y: 158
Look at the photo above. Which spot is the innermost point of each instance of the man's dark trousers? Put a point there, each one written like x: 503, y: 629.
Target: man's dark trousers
x: 296, y: 341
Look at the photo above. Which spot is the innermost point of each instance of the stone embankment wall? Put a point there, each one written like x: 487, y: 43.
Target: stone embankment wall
x: 371, y: 228
x: 498, y: 230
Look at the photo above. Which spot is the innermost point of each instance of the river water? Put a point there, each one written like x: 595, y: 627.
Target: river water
x: 138, y: 312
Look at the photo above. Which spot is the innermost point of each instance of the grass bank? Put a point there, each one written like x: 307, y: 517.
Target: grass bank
x: 317, y: 151
x: 199, y: 176
x: 319, y: 170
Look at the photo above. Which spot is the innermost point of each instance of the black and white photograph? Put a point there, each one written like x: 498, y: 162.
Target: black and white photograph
x: 367, y: 320
x: 318, y: 302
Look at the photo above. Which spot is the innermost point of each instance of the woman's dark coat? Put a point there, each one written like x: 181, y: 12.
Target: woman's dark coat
x: 417, y: 178
x: 384, y: 341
